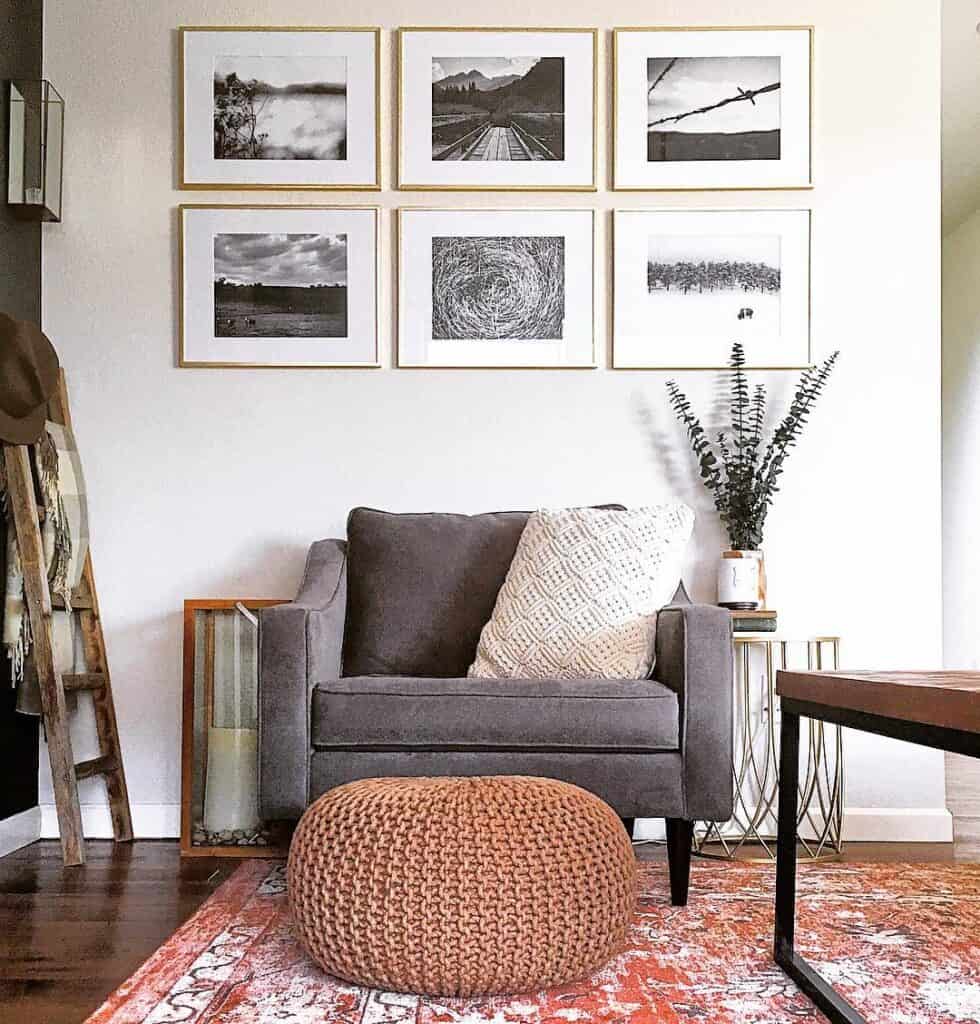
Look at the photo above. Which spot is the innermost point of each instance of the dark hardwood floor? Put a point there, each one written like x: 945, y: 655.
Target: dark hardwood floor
x: 69, y: 936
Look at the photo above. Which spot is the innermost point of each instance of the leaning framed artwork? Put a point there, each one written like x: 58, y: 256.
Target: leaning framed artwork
x: 278, y: 286
x: 496, y: 288
x: 689, y: 283
x: 279, y: 108
x: 497, y: 108
x: 719, y: 108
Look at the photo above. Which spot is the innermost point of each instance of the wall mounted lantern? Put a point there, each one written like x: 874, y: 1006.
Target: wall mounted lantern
x: 37, y: 126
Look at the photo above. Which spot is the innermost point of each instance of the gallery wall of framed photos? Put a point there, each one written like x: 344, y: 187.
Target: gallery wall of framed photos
x: 493, y: 121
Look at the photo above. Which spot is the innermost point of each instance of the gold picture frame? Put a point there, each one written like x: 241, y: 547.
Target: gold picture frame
x: 618, y: 366
x: 399, y: 319
x: 408, y: 186
x: 188, y: 185
x: 614, y: 116
x: 183, y: 362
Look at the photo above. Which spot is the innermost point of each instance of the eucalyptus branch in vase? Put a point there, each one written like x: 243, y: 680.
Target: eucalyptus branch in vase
x: 741, y: 468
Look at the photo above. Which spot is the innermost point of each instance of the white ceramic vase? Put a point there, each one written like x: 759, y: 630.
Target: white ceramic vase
x: 742, y: 580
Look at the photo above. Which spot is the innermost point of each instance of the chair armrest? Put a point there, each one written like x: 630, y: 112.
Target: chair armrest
x: 695, y: 659
x: 300, y: 645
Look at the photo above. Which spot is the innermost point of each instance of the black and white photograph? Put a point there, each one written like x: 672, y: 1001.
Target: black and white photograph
x: 498, y: 287
x: 498, y: 108
x: 713, y: 108
x: 501, y: 288
x: 689, y: 283
x: 704, y: 285
x: 280, y: 286
x: 280, y: 108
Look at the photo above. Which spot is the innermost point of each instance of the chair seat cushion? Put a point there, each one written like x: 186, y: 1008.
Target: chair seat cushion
x: 403, y: 713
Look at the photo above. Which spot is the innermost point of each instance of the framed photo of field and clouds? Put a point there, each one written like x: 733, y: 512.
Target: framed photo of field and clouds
x: 279, y: 108
x: 279, y: 286
x: 725, y: 108
x: 687, y: 284
x: 496, y: 288
x: 495, y: 108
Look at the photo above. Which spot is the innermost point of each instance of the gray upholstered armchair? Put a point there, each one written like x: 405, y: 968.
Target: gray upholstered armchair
x: 364, y: 675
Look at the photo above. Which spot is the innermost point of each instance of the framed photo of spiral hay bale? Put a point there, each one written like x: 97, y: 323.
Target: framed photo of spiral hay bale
x: 279, y: 108
x: 497, y: 108
x: 688, y: 283
x: 496, y: 288
x: 715, y: 108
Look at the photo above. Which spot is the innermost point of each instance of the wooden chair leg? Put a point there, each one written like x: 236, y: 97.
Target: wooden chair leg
x: 628, y: 824
x: 679, y: 836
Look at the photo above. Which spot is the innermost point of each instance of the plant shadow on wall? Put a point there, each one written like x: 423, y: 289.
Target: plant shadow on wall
x: 742, y: 465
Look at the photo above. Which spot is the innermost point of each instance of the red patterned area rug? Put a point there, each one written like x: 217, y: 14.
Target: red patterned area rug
x: 901, y: 941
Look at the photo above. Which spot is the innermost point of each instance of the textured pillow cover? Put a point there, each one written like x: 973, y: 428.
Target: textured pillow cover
x: 582, y: 594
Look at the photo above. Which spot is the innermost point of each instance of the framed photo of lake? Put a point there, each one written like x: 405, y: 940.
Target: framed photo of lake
x: 497, y: 108
x: 689, y: 283
x: 279, y: 108
x: 717, y: 108
x: 496, y: 288
x: 278, y: 286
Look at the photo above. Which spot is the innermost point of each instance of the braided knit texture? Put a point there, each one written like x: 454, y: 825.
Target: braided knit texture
x: 461, y: 886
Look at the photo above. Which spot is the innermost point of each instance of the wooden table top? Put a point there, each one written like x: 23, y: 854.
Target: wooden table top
x: 950, y: 700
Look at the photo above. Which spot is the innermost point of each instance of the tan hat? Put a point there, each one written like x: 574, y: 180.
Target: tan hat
x: 28, y: 378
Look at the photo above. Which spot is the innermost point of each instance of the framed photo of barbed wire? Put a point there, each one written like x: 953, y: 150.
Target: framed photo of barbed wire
x: 689, y: 283
x: 278, y: 286
x: 496, y: 288
x: 725, y: 108
x: 506, y: 109
x: 279, y: 108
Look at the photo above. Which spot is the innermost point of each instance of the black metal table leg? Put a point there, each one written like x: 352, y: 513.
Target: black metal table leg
x: 835, y: 1007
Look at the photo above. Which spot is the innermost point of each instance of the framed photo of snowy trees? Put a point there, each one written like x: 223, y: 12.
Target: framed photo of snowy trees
x: 496, y: 288
x: 716, y: 108
x: 279, y: 108
x: 501, y: 108
x: 689, y: 283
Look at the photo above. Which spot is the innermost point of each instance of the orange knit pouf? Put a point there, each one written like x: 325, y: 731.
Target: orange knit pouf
x: 461, y: 886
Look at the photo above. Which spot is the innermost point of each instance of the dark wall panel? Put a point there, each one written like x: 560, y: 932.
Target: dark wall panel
x: 20, y: 241
x: 20, y: 296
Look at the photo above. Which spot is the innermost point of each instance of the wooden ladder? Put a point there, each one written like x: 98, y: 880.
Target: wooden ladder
x: 65, y: 773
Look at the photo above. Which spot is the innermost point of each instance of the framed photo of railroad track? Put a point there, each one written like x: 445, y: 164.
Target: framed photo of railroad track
x: 712, y: 108
x: 506, y: 289
x: 687, y: 283
x: 497, y: 108
x: 279, y: 108
x: 278, y: 286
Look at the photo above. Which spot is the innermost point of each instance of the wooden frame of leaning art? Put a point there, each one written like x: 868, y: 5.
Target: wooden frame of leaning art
x: 613, y: 164
x: 187, y: 849
x: 182, y: 33
x: 400, y: 133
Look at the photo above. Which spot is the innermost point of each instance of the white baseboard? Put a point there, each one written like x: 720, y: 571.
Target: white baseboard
x: 20, y: 830
x: 864, y: 825
x: 898, y: 825
x: 150, y: 821
x: 162, y: 821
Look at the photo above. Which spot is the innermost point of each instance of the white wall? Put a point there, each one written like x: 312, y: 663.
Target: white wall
x: 213, y: 482
x: 961, y: 486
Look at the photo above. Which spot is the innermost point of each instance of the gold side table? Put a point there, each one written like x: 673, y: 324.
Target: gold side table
x: 750, y: 833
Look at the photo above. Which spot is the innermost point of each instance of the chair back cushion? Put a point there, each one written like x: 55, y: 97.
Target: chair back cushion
x: 421, y: 587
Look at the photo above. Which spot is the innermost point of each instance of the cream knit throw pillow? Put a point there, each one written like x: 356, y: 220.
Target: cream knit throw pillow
x: 582, y: 594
